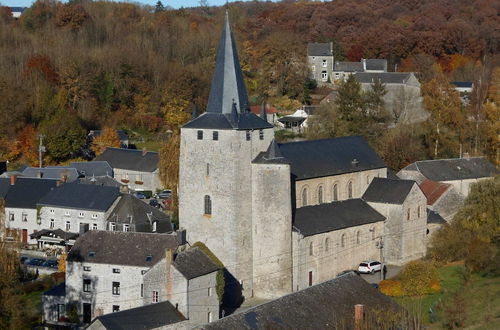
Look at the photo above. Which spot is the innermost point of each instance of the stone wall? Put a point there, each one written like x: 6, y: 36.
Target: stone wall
x: 316, y: 67
x: 150, y: 180
x: 202, y: 299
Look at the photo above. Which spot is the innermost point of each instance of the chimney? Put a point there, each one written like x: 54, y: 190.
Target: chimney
x: 363, y: 60
x: 13, y: 179
x: 144, y: 151
x: 64, y: 178
x: 331, y: 47
x: 181, y: 236
x: 358, y: 316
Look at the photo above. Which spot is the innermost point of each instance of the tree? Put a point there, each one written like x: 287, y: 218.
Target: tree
x: 107, y: 138
x: 169, y: 170
x: 349, y: 100
x: 375, y: 100
x: 12, y: 307
x: 25, y: 147
x: 159, y: 7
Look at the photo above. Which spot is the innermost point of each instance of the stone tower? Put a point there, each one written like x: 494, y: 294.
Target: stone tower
x: 215, y: 177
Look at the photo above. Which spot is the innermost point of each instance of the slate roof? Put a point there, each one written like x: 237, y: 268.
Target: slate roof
x: 81, y: 197
x: 4, y: 186
x: 328, y: 305
x: 101, y: 181
x: 210, y: 120
x: 94, y: 168
x: 130, y: 159
x: 319, y: 158
x: 454, y: 169
x: 463, y: 84
x: 319, y: 49
x: 322, y: 218
x: 194, y: 263
x: 376, y: 64
x: 121, y: 248
x: 151, y: 316
x: 348, y: 66
x: 292, y: 119
x: 272, y: 155
x: 52, y: 172
x: 433, y: 190
x: 131, y: 210
x: 18, y: 9
x: 433, y: 217
x: 382, y: 190
x: 26, y: 192
x: 58, y: 290
x: 63, y: 235
x: 384, y: 77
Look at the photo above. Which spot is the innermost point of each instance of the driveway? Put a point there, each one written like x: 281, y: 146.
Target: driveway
x: 375, y: 278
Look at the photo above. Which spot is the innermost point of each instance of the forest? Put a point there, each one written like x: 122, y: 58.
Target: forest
x: 66, y: 68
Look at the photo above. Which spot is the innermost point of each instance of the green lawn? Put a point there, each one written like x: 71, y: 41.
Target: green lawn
x: 481, y: 298
x: 150, y: 145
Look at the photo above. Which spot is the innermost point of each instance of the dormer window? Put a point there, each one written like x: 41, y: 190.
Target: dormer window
x: 200, y: 135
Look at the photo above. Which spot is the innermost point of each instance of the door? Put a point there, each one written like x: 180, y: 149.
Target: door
x: 310, y: 278
x: 25, y: 235
x: 87, y: 313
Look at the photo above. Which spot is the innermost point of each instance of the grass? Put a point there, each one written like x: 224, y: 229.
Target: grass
x: 150, y: 145
x: 481, y: 300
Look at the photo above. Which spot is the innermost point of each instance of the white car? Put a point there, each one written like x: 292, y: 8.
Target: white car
x: 369, y: 267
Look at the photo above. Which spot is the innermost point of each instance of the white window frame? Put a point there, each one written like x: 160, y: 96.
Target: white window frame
x: 94, y: 216
x: 12, y: 217
x: 67, y: 214
x: 68, y: 225
x: 86, y: 268
x: 324, y: 64
x: 81, y: 214
x: 116, y: 271
x: 155, y: 297
x: 52, y: 223
x: 94, y: 226
x: 52, y: 211
x: 112, y: 226
x: 126, y: 228
x: 24, y: 217
x: 324, y: 75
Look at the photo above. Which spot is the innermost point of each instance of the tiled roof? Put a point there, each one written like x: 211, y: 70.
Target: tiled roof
x: 317, y: 219
x: 26, y: 192
x: 256, y: 109
x: 194, y: 263
x: 121, y: 248
x: 382, y: 190
x: 319, y: 49
x: 130, y: 159
x: 433, y: 190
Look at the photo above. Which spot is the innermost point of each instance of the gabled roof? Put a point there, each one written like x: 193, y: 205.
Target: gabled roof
x: 152, y: 316
x: 454, y: 169
x: 131, y: 210
x: 376, y: 64
x: 101, y: 181
x: 433, y: 217
x: 4, y: 187
x: 256, y: 109
x: 194, y: 263
x: 384, y: 77
x: 348, y: 66
x: 26, y: 192
x: 52, y: 172
x: 210, y: 120
x: 319, y: 158
x: 433, y: 190
x: 121, y: 248
x: 130, y: 159
x: 322, y: 218
x: 382, y: 190
x: 94, y: 168
x: 271, y: 156
x: 328, y: 305
x: 56, y: 233
x: 81, y: 197
x: 319, y: 49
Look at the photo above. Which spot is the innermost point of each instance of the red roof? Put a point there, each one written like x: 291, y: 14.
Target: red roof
x: 433, y: 190
x: 257, y: 108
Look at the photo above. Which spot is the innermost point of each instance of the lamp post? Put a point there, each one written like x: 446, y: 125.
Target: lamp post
x: 380, y: 246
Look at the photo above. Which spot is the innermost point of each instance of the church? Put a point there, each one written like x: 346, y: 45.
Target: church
x: 285, y: 216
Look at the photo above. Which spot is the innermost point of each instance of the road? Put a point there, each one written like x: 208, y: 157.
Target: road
x: 375, y: 278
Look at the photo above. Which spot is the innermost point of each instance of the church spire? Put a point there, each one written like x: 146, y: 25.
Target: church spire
x: 227, y: 81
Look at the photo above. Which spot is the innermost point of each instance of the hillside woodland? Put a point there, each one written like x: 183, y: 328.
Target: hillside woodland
x: 66, y: 68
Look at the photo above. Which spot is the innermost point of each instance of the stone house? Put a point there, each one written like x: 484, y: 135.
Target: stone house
x: 320, y: 60
x: 341, y: 70
x: 442, y: 198
x: 458, y: 172
x: 21, y: 199
x: 93, y: 169
x: 138, y: 169
x: 403, y: 204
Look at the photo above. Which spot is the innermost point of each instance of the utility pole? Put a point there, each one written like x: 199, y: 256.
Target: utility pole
x: 380, y: 246
x: 41, y: 149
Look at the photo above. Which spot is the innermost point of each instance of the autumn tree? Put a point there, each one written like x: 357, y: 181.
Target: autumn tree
x: 25, y: 147
x: 12, y: 311
x: 492, y: 116
x: 169, y: 170
x: 108, y: 138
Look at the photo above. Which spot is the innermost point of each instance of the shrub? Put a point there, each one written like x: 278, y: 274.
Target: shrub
x: 419, y: 278
x: 391, y: 288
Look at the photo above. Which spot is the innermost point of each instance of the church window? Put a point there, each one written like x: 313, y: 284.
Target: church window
x: 342, y: 240
x: 335, y: 192
x: 358, y: 237
x: 215, y: 135
x: 372, y: 230
x: 310, y: 278
x: 349, y: 189
x: 408, y: 213
x: 261, y: 134
x: 248, y: 135
x: 418, y: 212
x: 200, y: 135
x: 208, y: 169
x: 311, y: 249
x: 208, y: 205
x: 304, y: 197
x: 320, y: 194
x: 327, y: 244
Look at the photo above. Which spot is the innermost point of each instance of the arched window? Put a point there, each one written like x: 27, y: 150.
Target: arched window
x: 208, y: 205
x: 304, y: 197
x: 335, y: 192
x: 311, y: 251
x: 320, y: 195
x: 327, y: 244
x: 358, y: 237
x: 349, y: 189
x: 418, y: 212
x: 408, y: 214
x: 373, y: 232
x: 342, y: 241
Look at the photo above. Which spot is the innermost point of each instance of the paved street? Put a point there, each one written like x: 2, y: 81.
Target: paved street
x: 375, y: 278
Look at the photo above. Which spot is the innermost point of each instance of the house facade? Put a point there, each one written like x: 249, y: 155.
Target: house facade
x: 320, y: 60
x: 342, y: 70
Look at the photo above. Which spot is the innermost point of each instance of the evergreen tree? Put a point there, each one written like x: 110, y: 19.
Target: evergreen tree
x: 375, y: 100
x: 159, y: 7
x: 349, y: 101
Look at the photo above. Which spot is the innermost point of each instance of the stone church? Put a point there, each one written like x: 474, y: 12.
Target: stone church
x: 282, y: 217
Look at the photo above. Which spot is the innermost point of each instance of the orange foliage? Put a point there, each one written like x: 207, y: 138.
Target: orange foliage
x: 25, y: 146
x: 42, y: 64
x: 107, y: 138
x: 449, y: 63
x: 391, y: 288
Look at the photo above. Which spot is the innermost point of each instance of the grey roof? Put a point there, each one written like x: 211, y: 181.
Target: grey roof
x: 434, y: 217
x: 348, y: 66
x: 58, y: 290
x: 121, y: 248
x: 328, y: 305
x: 18, y: 9
x: 4, y: 187
x: 94, y: 168
x: 319, y: 49
x: 272, y: 155
x: 26, y: 192
x: 376, y: 64
x: 101, y: 181
x: 317, y: 219
x: 382, y: 190
x: 318, y: 158
x: 463, y: 84
x: 81, y: 197
x: 292, y: 119
x: 63, y: 235
x: 384, y: 77
x: 246, y: 121
x: 454, y: 169
x: 52, y: 172
x: 130, y: 159
x: 194, y: 263
x: 151, y: 316
x: 131, y: 210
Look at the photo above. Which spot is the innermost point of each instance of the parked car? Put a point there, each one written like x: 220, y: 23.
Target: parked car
x: 369, y: 267
x: 50, y: 264
x: 35, y: 262
x: 140, y: 195
x: 154, y: 203
x: 164, y: 194
x: 23, y: 259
